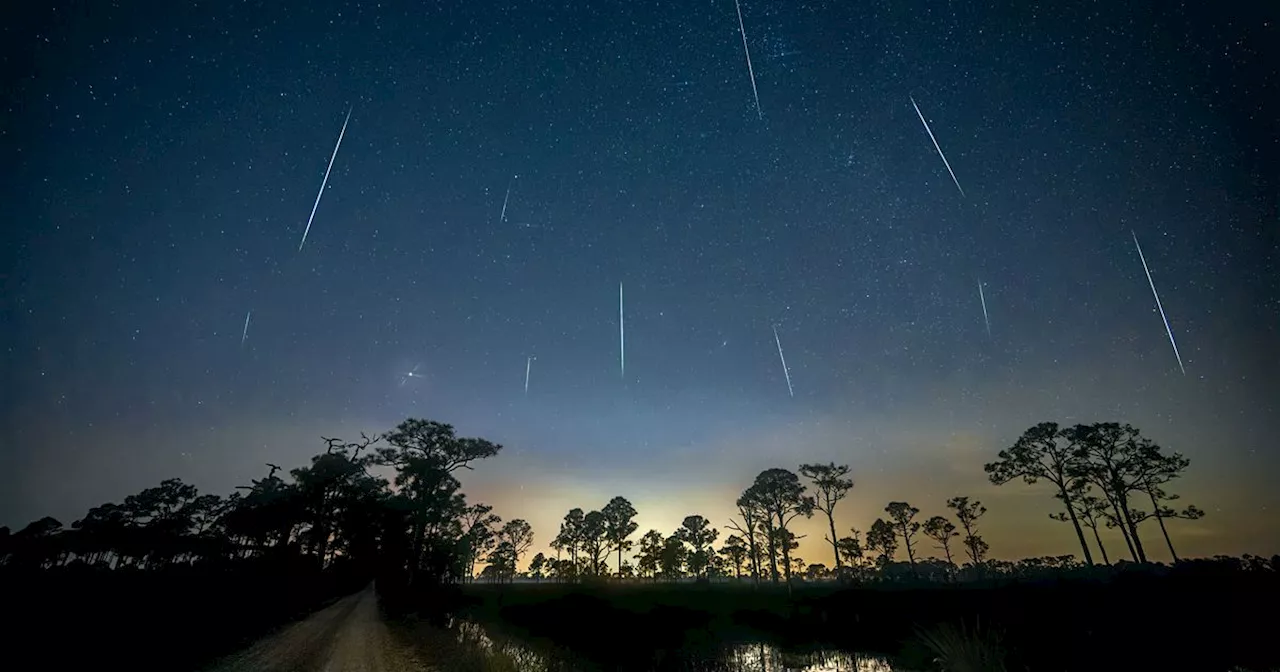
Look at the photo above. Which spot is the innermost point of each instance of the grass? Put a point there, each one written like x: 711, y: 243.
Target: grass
x: 959, y: 649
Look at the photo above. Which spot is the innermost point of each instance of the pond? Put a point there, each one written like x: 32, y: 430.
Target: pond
x: 491, y: 651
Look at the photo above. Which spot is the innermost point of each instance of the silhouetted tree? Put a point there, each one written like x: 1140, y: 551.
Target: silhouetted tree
x: 36, y: 545
x: 883, y: 538
x: 518, y: 534
x: 570, y: 536
x: 594, y: 541
x: 968, y: 513
x: 831, y: 485
x: 649, y: 557
x: 698, y: 533
x: 425, y: 454
x: 538, y: 566
x: 671, y: 560
x: 1110, y: 456
x: 1163, y: 512
x: 502, y: 562
x: 751, y: 529
x: 1044, y: 453
x: 618, y: 515
x: 781, y: 496
x: 564, y: 570
x: 479, y: 523
x: 735, y: 552
x: 902, y: 515
x: 851, y: 552
x: 941, y: 531
x: 1159, y: 470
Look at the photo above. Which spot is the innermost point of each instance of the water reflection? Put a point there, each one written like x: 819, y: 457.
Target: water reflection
x: 765, y: 658
x: 506, y: 654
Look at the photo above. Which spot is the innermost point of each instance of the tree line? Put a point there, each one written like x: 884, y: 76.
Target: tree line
x: 415, y: 520
x: 385, y: 503
x: 1099, y: 473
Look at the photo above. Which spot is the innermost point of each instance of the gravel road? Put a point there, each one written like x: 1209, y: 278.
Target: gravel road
x: 347, y: 636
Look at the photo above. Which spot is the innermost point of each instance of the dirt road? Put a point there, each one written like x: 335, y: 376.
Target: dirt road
x: 347, y: 636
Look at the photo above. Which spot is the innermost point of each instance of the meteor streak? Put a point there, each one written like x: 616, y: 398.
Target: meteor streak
x: 986, y: 319
x: 786, y: 371
x: 935, y: 145
x: 244, y: 335
x: 325, y: 181
x: 503, y: 216
x: 750, y: 71
x: 528, y: 366
x: 1151, y: 282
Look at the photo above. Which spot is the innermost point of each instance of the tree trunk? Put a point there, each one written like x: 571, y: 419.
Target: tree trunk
x: 786, y: 551
x: 1103, y: 549
x: 1075, y: 522
x: 911, y: 553
x: 755, y: 557
x: 1133, y: 528
x: 1155, y: 508
x: 835, y: 548
x: 773, y: 549
x: 1124, y: 531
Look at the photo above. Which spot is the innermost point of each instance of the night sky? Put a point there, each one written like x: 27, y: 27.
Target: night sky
x: 162, y: 160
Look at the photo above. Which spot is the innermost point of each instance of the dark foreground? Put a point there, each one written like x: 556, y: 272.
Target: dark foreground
x: 180, y: 618
x: 1133, y: 621
x: 271, y: 621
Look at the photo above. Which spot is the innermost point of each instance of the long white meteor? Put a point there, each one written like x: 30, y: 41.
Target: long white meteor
x: 1167, y: 328
x: 785, y: 371
x: 244, y: 335
x: 935, y: 145
x: 324, y: 182
x: 622, y: 337
x: 750, y: 70
x: 528, y: 366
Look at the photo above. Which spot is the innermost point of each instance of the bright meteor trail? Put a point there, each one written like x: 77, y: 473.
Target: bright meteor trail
x: 750, y: 71
x: 244, y: 335
x: 503, y: 217
x: 935, y: 145
x: 325, y: 181
x: 785, y: 371
x: 1167, y: 329
x: 528, y: 366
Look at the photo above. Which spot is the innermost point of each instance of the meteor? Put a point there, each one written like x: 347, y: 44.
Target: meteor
x: 750, y: 71
x: 935, y: 145
x: 1168, y: 330
x: 244, y: 335
x: 528, y: 366
x: 986, y: 319
x: 325, y: 181
x: 786, y: 371
x: 503, y: 217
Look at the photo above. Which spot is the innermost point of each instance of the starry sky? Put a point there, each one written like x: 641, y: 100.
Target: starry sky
x: 163, y: 158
